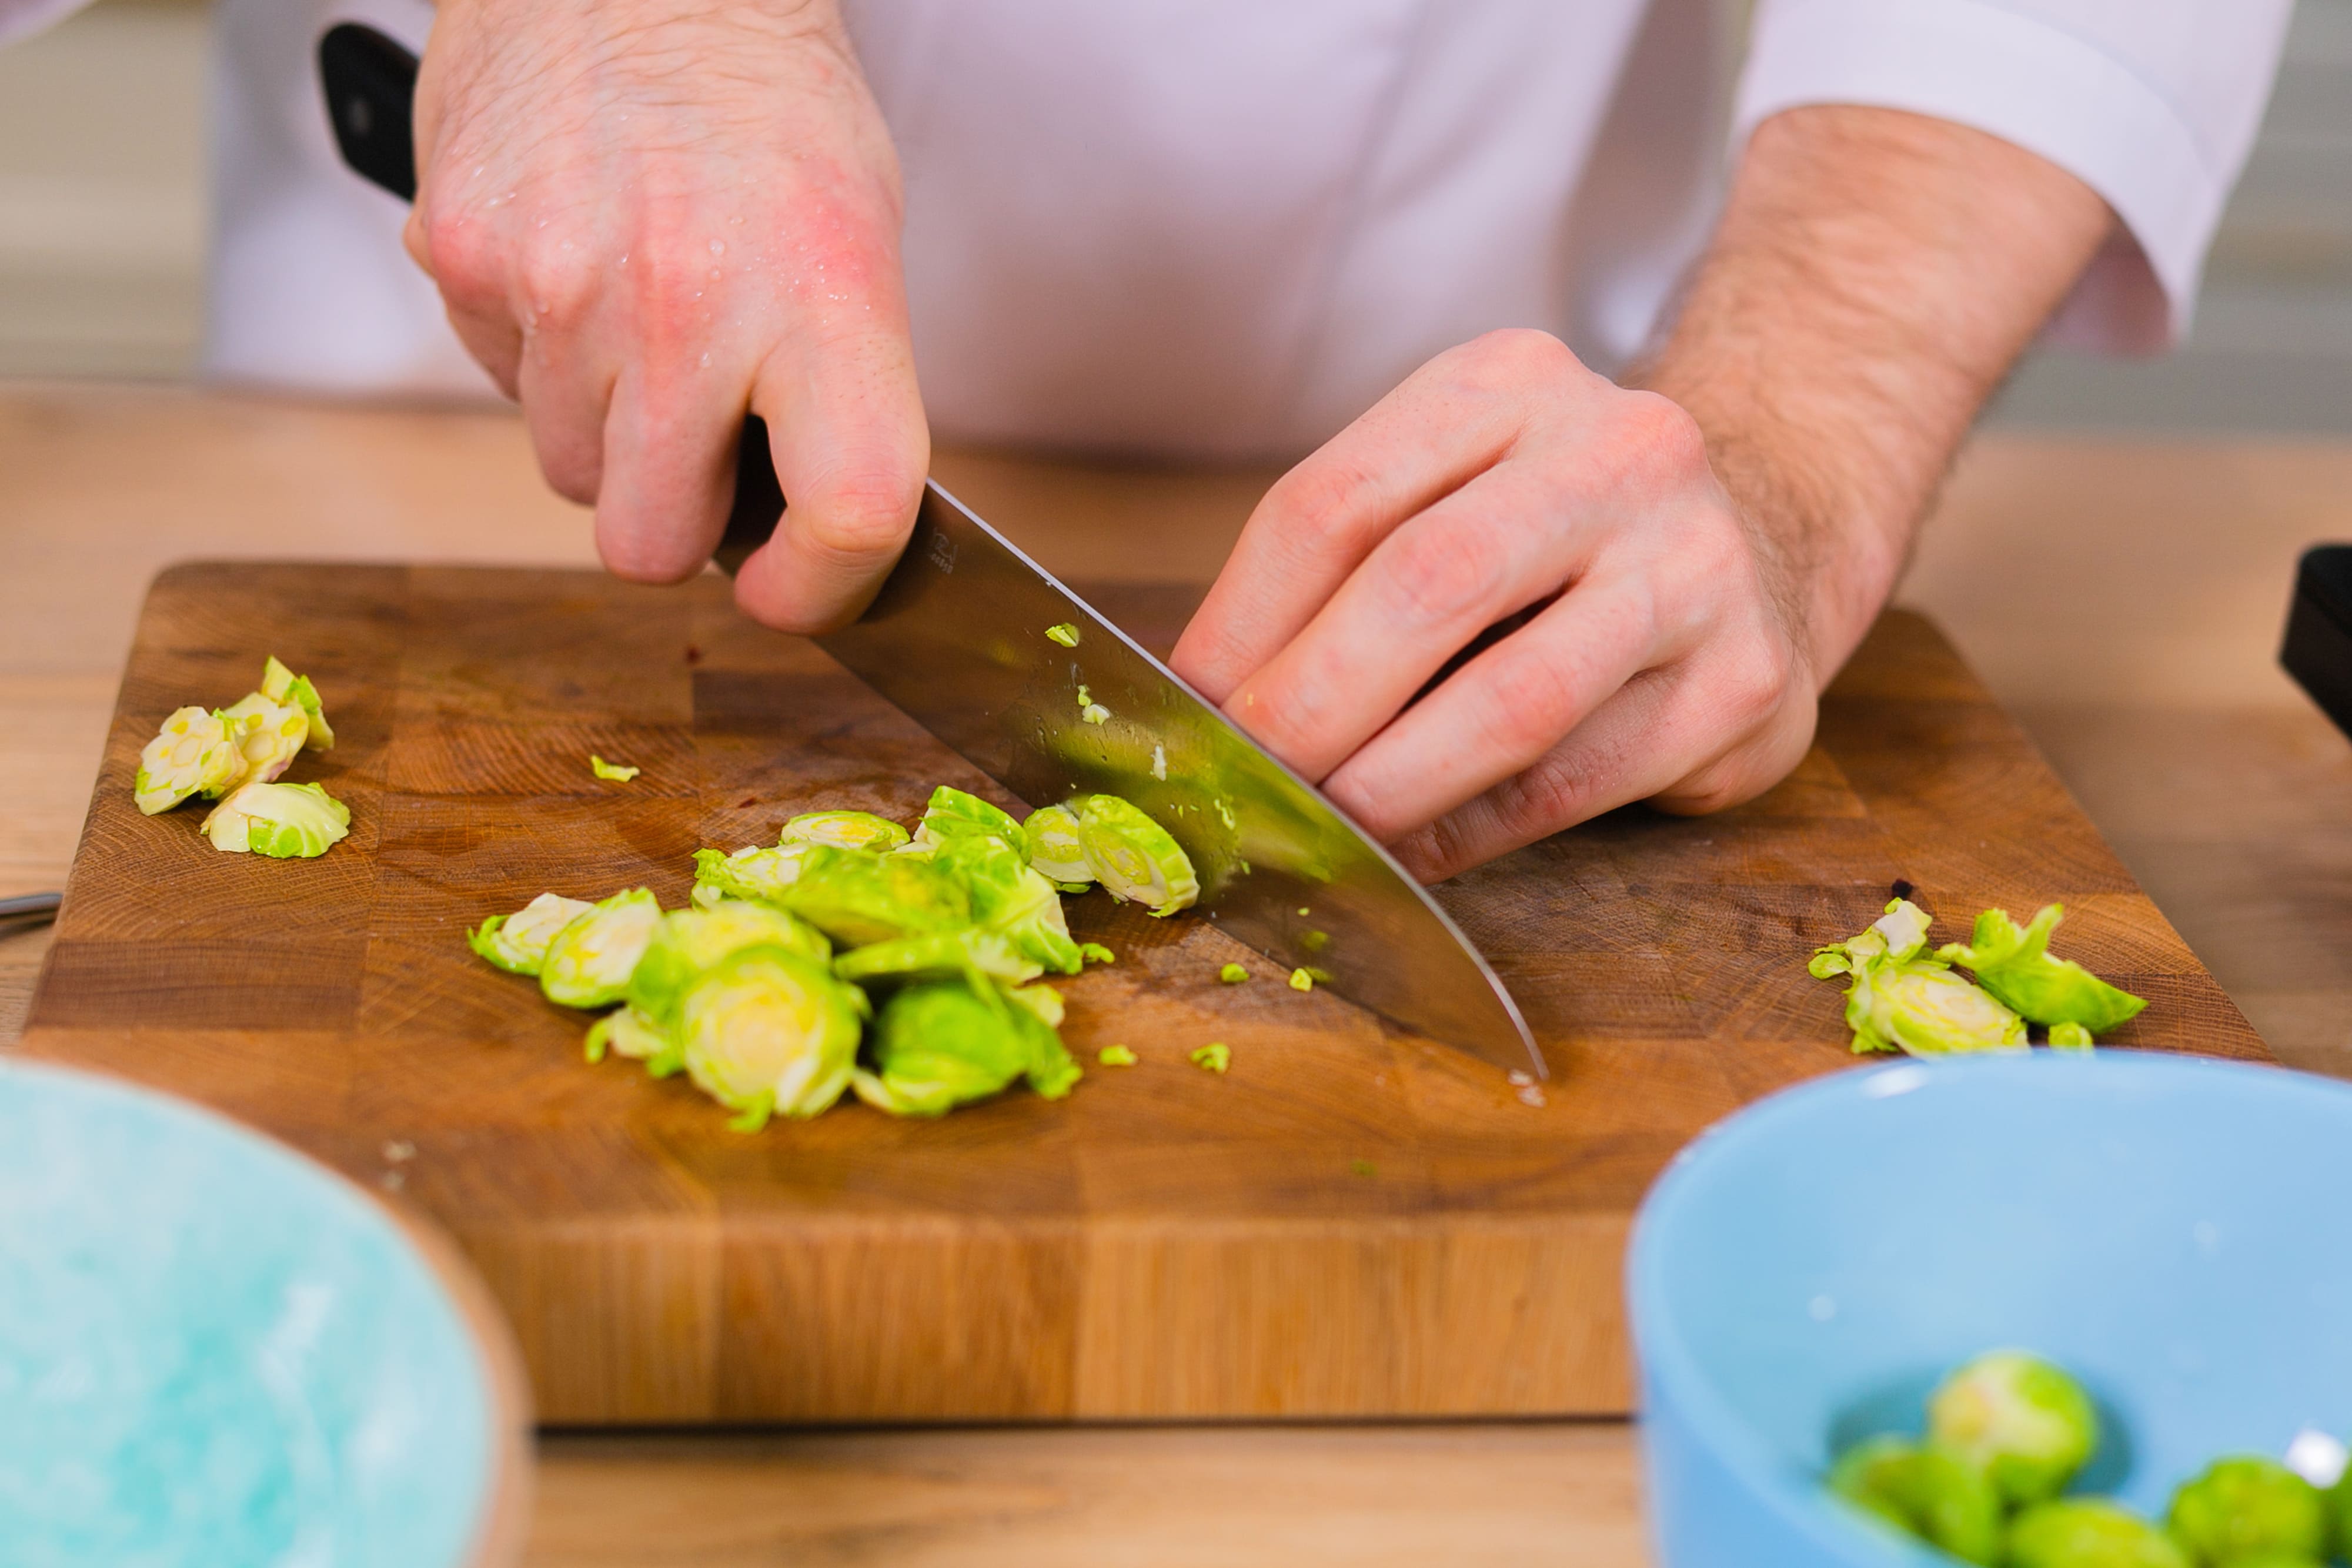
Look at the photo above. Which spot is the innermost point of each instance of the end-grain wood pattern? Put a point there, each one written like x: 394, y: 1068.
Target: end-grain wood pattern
x: 1348, y: 1224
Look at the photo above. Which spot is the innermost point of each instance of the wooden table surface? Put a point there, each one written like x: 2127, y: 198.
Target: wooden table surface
x: 2123, y: 599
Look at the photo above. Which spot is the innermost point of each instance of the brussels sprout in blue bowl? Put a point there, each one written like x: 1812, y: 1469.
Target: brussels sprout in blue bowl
x: 215, y: 1352
x: 2174, y: 1231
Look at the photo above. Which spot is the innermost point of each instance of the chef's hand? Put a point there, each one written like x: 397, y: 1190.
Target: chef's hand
x: 650, y: 216
x: 1698, y: 558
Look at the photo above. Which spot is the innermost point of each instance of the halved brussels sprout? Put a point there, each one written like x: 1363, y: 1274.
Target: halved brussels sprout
x: 2246, y: 1506
x: 1054, y: 849
x: 191, y: 754
x: 267, y: 736
x: 617, y: 772
x: 953, y: 814
x: 287, y: 821
x: 940, y: 1045
x: 2023, y: 1422
x: 973, y: 955
x: 518, y: 942
x: 630, y: 1033
x: 771, y: 1032
x: 857, y: 898
x: 588, y: 963
x: 689, y: 942
x: 753, y: 872
x: 280, y: 685
x: 2015, y: 964
x: 1925, y: 1492
x: 1213, y: 1057
x: 2089, y: 1532
x: 1134, y: 858
x: 844, y: 831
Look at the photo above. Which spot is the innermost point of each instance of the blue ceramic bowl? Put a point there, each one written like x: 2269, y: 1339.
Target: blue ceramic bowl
x: 214, y: 1352
x: 2176, y: 1231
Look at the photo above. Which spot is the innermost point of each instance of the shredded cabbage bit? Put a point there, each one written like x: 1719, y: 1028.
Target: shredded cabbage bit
x: 1213, y: 1057
x: 1116, y: 1056
x: 1064, y: 633
x: 1233, y: 973
x: 619, y: 773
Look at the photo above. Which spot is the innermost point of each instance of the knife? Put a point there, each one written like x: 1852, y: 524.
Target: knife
x: 957, y: 638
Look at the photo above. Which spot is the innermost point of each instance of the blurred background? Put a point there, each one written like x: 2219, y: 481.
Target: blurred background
x: 102, y: 216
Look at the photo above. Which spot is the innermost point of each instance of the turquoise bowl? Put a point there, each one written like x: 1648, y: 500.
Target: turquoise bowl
x: 214, y: 1352
x: 2176, y: 1231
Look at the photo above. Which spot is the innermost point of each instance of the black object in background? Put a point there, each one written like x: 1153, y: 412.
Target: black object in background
x: 2318, y: 648
x: 370, y: 81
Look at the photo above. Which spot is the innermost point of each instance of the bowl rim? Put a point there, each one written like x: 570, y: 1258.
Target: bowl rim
x: 1667, y: 1361
x: 502, y: 1506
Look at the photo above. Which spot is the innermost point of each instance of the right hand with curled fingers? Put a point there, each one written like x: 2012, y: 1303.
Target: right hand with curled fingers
x: 648, y: 219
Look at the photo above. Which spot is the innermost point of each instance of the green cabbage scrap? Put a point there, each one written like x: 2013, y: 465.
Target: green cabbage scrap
x: 286, y: 822
x: 1214, y: 1057
x: 2015, y: 964
x: 1064, y: 633
x: 617, y: 772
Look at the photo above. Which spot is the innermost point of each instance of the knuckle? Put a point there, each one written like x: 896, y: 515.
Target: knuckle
x: 1315, y: 506
x: 1532, y: 702
x: 1658, y: 439
x: 1515, y: 355
x: 461, y: 256
x: 858, y: 513
x: 1441, y: 575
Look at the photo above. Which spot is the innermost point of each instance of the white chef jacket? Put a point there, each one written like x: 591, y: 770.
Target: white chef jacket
x: 1223, y: 228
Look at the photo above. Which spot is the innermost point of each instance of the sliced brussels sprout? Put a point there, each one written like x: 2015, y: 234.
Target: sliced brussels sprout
x: 1925, y: 1492
x: 2089, y: 1532
x: 1213, y: 1057
x: 588, y: 963
x: 845, y: 831
x: 1922, y: 1008
x: 190, y: 755
x: 619, y: 773
x: 940, y: 1045
x: 1064, y: 633
x: 953, y: 814
x: 706, y: 897
x: 857, y: 898
x: 1116, y: 1056
x: 689, y: 942
x: 1233, y: 975
x: 2021, y: 1420
x: 280, y: 685
x: 1094, y: 713
x: 1007, y: 895
x: 1096, y: 953
x: 973, y: 955
x: 2015, y: 964
x: 1044, y: 1002
x: 2247, y: 1505
x: 1898, y: 935
x: 771, y: 1032
x: 518, y: 942
x: 1134, y: 858
x: 2070, y: 1036
x: 1302, y: 980
x: 752, y: 872
x: 267, y: 736
x: 1054, y: 849
x: 286, y: 822
x: 630, y: 1033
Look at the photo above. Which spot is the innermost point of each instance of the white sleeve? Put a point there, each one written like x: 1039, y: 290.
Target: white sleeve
x: 22, y: 18
x: 2152, y: 103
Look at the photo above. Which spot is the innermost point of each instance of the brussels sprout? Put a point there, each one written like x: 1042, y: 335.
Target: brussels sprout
x: 1008, y: 896
x: 771, y: 1032
x: 288, y: 821
x: 2089, y: 1532
x: 619, y: 773
x: 2016, y: 966
x: 845, y: 831
x: 588, y: 963
x: 857, y: 898
x: 689, y: 942
x: 1302, y: 980
x: 2026, y: 1423
x: 1116, y: 1056
x: 191, y: 754
x: 2068, y: 1037
x: 2245, y: 1505
x: 940, y: 1045
x: 953, y: 814
x: 1064, y: 633
x: 973, y: 955
x: 2339, y: 1513
x: 1233, y: 975
x: 1923, y: 1008
x: 1055, y: 850
x: 751, y: 871
x: 518, y: 942
x: 267, y: 736
x: 1134, y: 858
x: 1896, y: 936
x: 280, y: 685
x: 1923, y: 1491
x: 1213, y: 1057
x: 629, y: 1033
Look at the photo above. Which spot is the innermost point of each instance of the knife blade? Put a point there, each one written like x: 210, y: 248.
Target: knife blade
x: 956, y: 638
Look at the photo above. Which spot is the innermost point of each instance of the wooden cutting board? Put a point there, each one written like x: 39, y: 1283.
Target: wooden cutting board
x: 1348, y: 1224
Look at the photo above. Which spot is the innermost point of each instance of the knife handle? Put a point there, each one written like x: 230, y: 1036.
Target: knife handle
x: 370, y: 81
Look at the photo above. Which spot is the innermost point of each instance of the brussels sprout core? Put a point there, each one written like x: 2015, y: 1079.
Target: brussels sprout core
x: 280, y: 685
x: 193, y: 753
x: 287, y: 821
x: 267, y: 736
x: 2027, y: 1425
